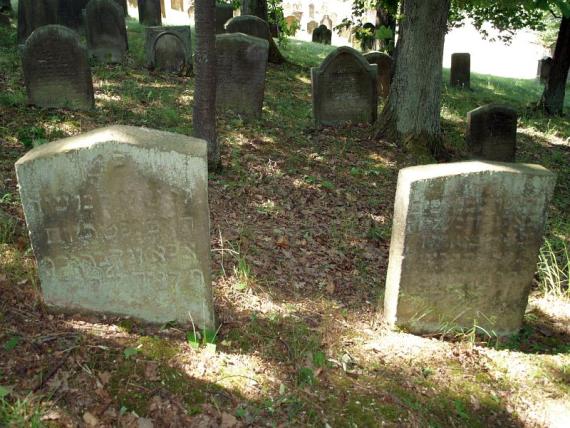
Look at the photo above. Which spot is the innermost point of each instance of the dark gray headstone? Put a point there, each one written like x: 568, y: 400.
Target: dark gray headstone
x: 312, y: 26
x: 150, y: 12
x: 543, y: 71
x: 70, y: 13
x: 461, y: 70
x: 106, y: 31
x: 224, y: 12
x: 123, y: 5
x: 169, y: 49
x: 33, y: 14
x: 385, y: 64
x: 256, y: 27
x: 241, y: 68
x: 344, y: 89
x: 56, y: 69
x: 492, y: 133
x: 322, y: 35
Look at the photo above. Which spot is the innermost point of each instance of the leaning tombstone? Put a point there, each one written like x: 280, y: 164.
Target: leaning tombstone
x: 150, y: 12
x: 385, y: 64
x: 492, y: 133
x: 322, y: 35
x: 169, y: 49
x: 256, y: 27
x: 241, y: 68
x: 118, y: 221
x: 465, y: 241
x: 224, y: 12
x: 106, y: 31
x: 56, y: 69
x: 344, y: 89
x: 461, y: 70
x: 33, y: 14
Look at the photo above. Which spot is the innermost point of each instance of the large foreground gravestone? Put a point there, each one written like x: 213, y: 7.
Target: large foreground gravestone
x: 150, y: 12
x: 56, y: 69
x: 460, y: 75
x: 106, y: 31
x: 119, y: 224
x: 492, y: 133
x: 385, y: 64
x: 241, y: 67
x: 224, y: 12
x: 464, y: 248
x: 169, y: 49
x: 344, y: 89
x: 256, y: 27
x: 322, y: 35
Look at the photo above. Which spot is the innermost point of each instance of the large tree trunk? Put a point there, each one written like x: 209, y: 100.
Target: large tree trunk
x: 204, y: 113
x: 411, y: 116
x: 552, y: 100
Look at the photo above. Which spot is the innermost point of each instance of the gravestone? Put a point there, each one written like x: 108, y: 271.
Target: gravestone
x: 169, y: 49
x: 344, y: 89
x: 150, y: 12
x: 322, y: 35
x: 118, y: 221
x: 56, y: 69
x: 312, y: 11
x: 224, y: 12
x: 177, y: 5
x: 543, y: 71
x: 312, y: 26
x: 492, y: 133
x: 241, y: 68
x: 292, y: 24
x: 327, y: 22
x: 33, y: 14
x: 385, y: 64
x: 106, y: 31
x: 123, y: 5
x: 256, y: 27
x: 461, y: 70
x: 465, y: 241
x: 368, y: 40
x: 70, y: 13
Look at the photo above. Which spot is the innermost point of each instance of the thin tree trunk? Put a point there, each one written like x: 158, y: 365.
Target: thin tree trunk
x: 411, y: 116
x: 552, y: 100
x: 204, y: 113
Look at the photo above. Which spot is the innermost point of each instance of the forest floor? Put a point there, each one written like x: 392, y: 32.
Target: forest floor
x: 300, y: 231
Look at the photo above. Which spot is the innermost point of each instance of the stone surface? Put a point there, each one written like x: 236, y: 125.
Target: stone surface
x: 119, y: 223
x: 385, y: 64
x: 241, y: 68
x: 322, y: 35
x: 169, y: 49
x: 543, y: 71
x: 106, y: 31
x: 256, y: 27
x: 70, y: 13
x: 344, y: 89
x: 312, y: 26
x: 460, y: 70
x: 33, y: 14
x: 492, y: 133
x: 56, y: 69
x: 150, y: 12
x: 224, y: 12
x: 465, y: 241
x: 177, y: 5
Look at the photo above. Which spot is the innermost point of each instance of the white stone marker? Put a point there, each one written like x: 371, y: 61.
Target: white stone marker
x: 119, y: 223
x: 464, y: 248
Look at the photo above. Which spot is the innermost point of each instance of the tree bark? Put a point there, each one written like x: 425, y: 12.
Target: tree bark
x: 255, y: 7
x: 552, y: 100
x: 204, y: 113
x: 411, y: 116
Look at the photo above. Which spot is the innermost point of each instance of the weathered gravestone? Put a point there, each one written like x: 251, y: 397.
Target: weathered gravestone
x: 241, y: 67
x: 461, y: 70
x: 465, y: 241
x: 322, y: 35
x: 56, y: 69
x: 492, y: 133
x: 224, y: 12
x: 123, y: 5
x: 169, y: 49
x: 177, y: 5
x: 543, y: 71
x: 385, y: 64
x: 150, y: 12
x: 312, y: 26
x: 118, y: 221
x: 256, y: 27
x: 344, y: 89
x: 70, y: 13
x: 33, y: 14
x: 106, y: 31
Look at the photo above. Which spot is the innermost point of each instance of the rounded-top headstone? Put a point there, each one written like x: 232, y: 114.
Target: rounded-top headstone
x: 492, y: 133
x: 256, y: 27
x: 460, y: 75
x: 169, y: 49
x: 385, y: 64
x: 106, y: 30
x: 150, y: 12
x: 322, y: 35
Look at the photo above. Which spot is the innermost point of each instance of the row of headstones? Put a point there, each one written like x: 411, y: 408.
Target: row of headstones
x: 465, y: 235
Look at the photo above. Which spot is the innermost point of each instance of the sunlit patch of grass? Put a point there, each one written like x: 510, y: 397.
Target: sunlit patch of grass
x: 20, y: 413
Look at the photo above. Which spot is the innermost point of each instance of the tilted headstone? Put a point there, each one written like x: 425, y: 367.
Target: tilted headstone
x: 344, y: 89
x: 118, y: 221
x: 56, y: 69
x: 385, y: 64
x: 256, y: 27
x: 492, y: 133
x: 322, y: 35
x: 465, y: 241
x: 169, y: 49
x: 33, y: 14
x: 150, y: 12
x: 312, y: 26
x: 224, y: 12
x: 106, y: 31
x: 241, y: 68
x: 461, y: 70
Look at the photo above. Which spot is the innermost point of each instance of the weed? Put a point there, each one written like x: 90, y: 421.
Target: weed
x: 554, y: 270
x: 242, y: 272
x: 20, y: 413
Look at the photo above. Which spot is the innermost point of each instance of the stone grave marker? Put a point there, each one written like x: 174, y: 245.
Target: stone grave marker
x: 256, y: 27
x: 241, y: 68
x: 169, y: 49
x: 322, y: 35
x: 224, y: 12
x: 177, y: 5
x: 492, y: 133
x: 106, y: 31
x: 461, y: 70
x: 312, y: 26
x: 465, y: 241
x: 150, y: 12
x: 327, y: 21
x: 385, y: 64
x: 70, y: 13
x: 543, y: 71
x: 33, y: 14
x: 56, y: 69
x: 344, y: 89
x: 119, y: 224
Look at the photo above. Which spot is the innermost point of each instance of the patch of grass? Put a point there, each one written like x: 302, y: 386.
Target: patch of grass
x: 554, y: 270
x: 20, y: 413
x: 156, y: 348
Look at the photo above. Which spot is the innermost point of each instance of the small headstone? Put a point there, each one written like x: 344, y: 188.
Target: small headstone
x: 106, y: 31
x: 322, y: 35
x: 33, y: 14
x: 169, y: 49
x: 56, y: 69
x: 312, y: 26
x: 150, y: 12
x: 344, y: 89
x: 241, y: 68
x: 543, y: 71
x: 385, y: 64
x: 492, y: 133
x: 256, y: 27
x: 118, y: 221
x: 465, y: 241
x: 461, y: 70
x: 224, y: 12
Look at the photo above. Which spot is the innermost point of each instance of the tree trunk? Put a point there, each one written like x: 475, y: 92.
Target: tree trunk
x: 411, y: 116
x: 255, y: 7
x: 552, y: 100
x: 386, y: 19
x: 204, y: 113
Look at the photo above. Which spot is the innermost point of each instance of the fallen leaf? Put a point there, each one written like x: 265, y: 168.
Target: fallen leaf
x: 283, y: 242
x: 90, y: 419
x: 104, y: 377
